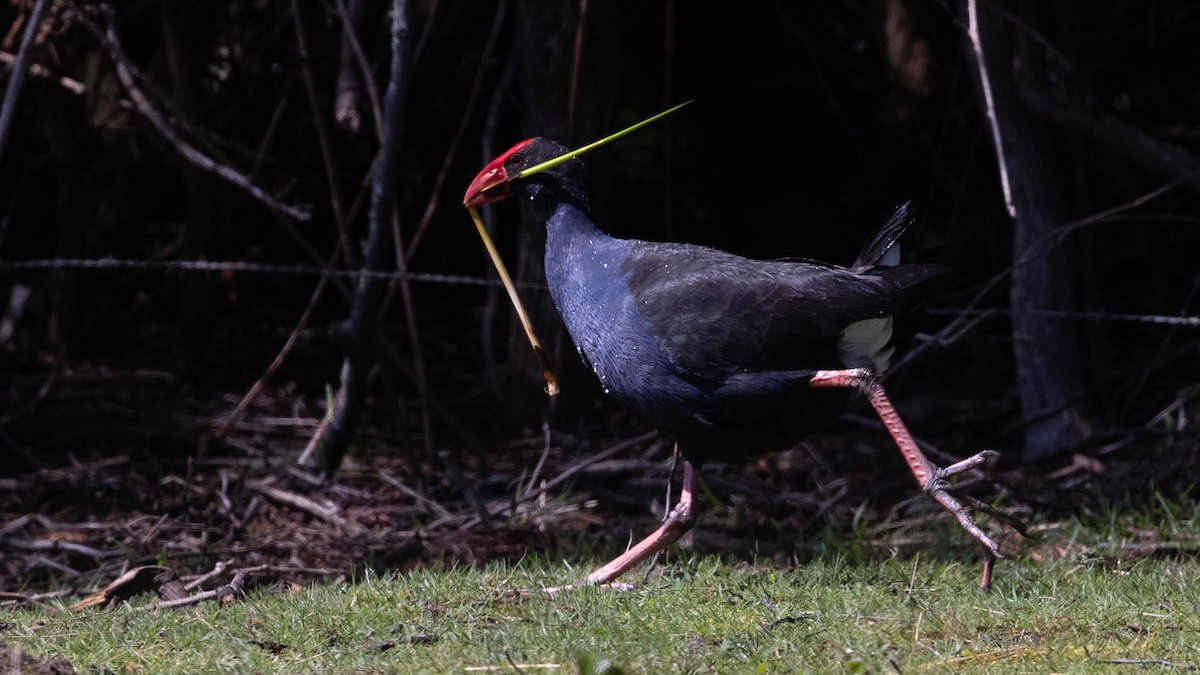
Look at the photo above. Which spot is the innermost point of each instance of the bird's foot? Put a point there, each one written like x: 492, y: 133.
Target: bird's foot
x: 961, y: 505
x: 932, y: 478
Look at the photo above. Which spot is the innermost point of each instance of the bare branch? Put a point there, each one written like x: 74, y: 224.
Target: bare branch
x: 127, y: 73
x: 989, y: 102
x: 17, y: 80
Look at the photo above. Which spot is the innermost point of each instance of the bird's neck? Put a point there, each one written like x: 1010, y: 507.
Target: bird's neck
x: 574, y: 245
x: 582, y: 269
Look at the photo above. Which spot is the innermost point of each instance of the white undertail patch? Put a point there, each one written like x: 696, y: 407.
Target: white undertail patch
x: 864, y: 344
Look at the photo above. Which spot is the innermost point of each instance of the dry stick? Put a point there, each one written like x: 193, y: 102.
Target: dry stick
x: 216, y: 571
x: 989, y: 102
x: 410, y: 322
x: 364, y: 67
x: 576, y: 63
x: 323, y: 144
x: 574, y: 469
x: 43, y: 561
x: 237, y: 583
x: 34, y: 599
x: 268, y: 136
x: 126, y: 74
x: 16, y: 79
x: 74, y: 86
x: 55, y: 545
x: 306, y: 505
x: 347, y: 83
x: 537, y: 469
x: 181, y: 602
x: 277, y: 363
x: 432, y: 505
x: 18, y: 523
x: 491, y: 302
x: 456, y: 140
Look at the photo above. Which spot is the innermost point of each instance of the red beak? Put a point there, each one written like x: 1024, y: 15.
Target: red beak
x: 491, y: 185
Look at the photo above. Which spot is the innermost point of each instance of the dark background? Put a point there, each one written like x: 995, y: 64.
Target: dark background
x: 810, y: 123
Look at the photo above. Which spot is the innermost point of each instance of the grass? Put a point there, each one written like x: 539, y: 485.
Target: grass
x: 838, y: 613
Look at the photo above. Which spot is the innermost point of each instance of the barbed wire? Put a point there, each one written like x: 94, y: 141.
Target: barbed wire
x: 465, y: 280
x: 1191, y: 321
x: 245, y: 267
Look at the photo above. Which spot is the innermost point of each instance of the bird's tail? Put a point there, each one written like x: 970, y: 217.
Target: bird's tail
x: 919, y: 281
x: 883, y: 248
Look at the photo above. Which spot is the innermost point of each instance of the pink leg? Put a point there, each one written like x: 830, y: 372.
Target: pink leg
x: 931, y: 478
x: 679, y: 521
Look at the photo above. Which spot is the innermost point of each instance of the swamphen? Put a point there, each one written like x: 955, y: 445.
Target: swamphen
x: 728, y: 356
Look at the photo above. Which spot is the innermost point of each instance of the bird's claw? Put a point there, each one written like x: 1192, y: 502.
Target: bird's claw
x: 960, y: 505
x: 986, y: 458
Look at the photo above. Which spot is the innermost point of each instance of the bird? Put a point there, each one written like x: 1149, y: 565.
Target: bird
x: 730, y: 357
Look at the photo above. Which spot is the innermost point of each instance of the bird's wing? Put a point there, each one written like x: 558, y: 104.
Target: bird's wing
x: 714, y: 314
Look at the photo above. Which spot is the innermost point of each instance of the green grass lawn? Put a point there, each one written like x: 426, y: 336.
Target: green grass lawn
x: 834, y: 614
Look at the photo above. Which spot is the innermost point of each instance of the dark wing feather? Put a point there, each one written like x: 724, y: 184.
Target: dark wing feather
x: 715, y: 314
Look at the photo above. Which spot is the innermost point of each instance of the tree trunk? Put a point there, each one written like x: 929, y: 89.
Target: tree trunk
x: 361, y: 330
x: 1047, y: 351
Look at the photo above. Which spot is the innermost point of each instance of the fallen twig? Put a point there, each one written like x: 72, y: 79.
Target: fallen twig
x: 9, y: 599
x: 55, y: 545
x: 228, y: 592
x: 162, y: 580
x: 306, y: 505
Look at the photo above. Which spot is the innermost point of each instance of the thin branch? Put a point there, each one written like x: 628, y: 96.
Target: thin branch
x: 575, y: 468
x: 986, y: 85
x: 306, y: 505
x: 9, y: 598
x: 348, y: 82
x: 236, y: 586
x: 1150, y: 153
x: 14, y: 543
x: 16, y: 80
x: 459, y: 133
x: 367, y: 79
x: 277, y: 362
x: 414, y: 333
x: 127, y: 73
x: 74, y: 86
x: 336, y: 201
